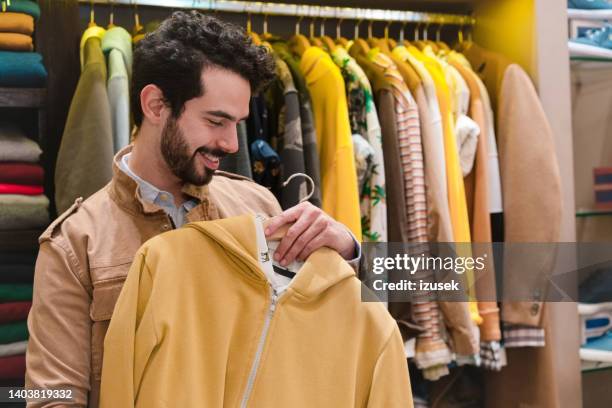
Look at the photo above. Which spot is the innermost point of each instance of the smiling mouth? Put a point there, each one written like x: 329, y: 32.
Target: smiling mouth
x: 210, y: 160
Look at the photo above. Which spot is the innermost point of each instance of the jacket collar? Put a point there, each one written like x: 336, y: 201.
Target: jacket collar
x: 125, y: 192
x: 323, y: 269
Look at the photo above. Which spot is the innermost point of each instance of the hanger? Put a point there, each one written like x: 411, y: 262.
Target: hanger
x: 92, y: 15
x: 298, y: 43
x: 328, y: 43
x: 137, y: 26
x: 313, y: 40
x: 111, y: 17
x: 360, y: 42
x: 282, y: 231
x: 339, y: 38
x: 254, y: 36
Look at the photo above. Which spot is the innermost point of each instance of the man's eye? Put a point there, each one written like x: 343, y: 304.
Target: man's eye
x: 214, y: 123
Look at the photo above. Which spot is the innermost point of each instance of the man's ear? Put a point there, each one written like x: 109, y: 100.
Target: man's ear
x: 152, y: 103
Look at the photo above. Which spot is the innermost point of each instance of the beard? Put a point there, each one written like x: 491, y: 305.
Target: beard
x: 175, y: 151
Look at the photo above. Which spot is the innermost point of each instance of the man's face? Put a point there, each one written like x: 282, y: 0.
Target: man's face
x: 193, y: 145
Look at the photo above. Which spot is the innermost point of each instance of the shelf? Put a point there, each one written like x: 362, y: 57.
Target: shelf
x: 23, y: 97
x: 593, y: 213
x: 575, y: 14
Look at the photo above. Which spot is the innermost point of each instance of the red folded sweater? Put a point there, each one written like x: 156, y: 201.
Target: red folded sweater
x: 12, y: 367
x: 20, y: 189
x: 14, y: 311
x: 21, y: 173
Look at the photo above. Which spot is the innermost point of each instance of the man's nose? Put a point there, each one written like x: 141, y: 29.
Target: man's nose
x: 229, y: 142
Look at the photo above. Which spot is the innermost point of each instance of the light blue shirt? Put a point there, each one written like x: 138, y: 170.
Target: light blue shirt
x: 162, y: 199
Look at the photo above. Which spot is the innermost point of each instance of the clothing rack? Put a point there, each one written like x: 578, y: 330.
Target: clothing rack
x: 298, y: 10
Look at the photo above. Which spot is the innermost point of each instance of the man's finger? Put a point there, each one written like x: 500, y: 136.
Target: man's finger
x: 287, y: 216
x: 312, y: 232
x: 307, y: 217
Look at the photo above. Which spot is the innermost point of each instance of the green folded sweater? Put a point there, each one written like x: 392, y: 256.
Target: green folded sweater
x: 13, y: 332
x: 23, y: 6
x: 15, y: 291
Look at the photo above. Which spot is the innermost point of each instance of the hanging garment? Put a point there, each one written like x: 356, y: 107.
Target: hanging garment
x: 364, y: 120
x: 28, y: 7
x: 286, y: 133
x: 273, y: 358
x: 477, y: 194
x: 75, y: 251
x: 335, y: 147
x: 11, y: 22
x: 23, y: 212
x: 22, y: 70
x: 16, y: 42
x: 457, y: 315
x: 16, y: 146
x: 117, y: 46
x: 439, y: 222
x: 84, y: 160
x: 21, y: 173
x: 14, y: 311
x: 239, y: 162
x: 309, y: 138
x: 523, y: 131
x: 364, y: 160
x: 6, y: 188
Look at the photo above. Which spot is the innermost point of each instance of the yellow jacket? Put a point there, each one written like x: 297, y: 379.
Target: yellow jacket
x: 198, y: 325
x: 339, y: 189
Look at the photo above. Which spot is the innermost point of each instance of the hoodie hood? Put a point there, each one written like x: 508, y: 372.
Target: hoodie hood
x: 117, y: 38
x: 323, y: 269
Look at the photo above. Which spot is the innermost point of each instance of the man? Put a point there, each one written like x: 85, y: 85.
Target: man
x: 191, y: 84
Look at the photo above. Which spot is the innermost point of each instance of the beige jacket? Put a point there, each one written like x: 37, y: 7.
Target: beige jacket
x: 83, y: 262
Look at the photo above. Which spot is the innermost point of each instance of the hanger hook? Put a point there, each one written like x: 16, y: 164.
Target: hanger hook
x: 357, y: 28
x: 386, y: 35
x: 370, y: 23
x: 313, y: 18
x: 338, y: 27
x: 322, y: 26
x: 265, y: 24
x: 401, y: 33
x: 439, y: 30
x: 297, y: 25
x: 308, y: 178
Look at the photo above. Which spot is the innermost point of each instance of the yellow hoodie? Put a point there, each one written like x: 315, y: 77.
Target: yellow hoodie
x: 197, y: 324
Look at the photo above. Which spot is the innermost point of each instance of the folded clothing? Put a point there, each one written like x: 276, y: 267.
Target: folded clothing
x: 10, y: 292
x: 24, y: 6
x: 16, y: 23
x: 12, y: 349
x: 22, y: 69
x: 6, y: 188
x: 19, y: 212
x: 11, y: 273
x: 14, y: 311
x: 12, y: 332
x: 20, y: 240
x: 22, y: 173
x: 16, y: 42
x: 12, y: 366
x: 19, y: 257
x: 14, y: 144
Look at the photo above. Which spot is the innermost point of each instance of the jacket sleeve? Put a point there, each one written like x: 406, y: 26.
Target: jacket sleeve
x: 59, y: 348
x: 130, y: 339
x: 391, y: 382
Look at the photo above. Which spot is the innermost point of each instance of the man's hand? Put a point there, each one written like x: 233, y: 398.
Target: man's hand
x: 312, y: 230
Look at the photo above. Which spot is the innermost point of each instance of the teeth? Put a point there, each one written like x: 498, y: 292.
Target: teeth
x: 211, y: 157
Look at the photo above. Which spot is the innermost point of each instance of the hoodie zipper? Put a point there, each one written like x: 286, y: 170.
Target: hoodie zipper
x: 260, y: 346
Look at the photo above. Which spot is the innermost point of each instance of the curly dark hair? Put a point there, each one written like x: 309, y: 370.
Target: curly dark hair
x: 173, y: 56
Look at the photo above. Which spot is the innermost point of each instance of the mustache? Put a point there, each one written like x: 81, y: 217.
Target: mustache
x: 214, y: 152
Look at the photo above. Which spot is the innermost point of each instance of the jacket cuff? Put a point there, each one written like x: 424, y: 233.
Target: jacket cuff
x: 519, y: 335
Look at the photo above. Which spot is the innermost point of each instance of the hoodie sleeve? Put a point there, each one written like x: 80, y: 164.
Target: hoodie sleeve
x: 391, y: 383
x: 130, y: 339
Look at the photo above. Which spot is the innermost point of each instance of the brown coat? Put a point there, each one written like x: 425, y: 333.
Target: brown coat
x: 532, y: 213
x: 83, y: 262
